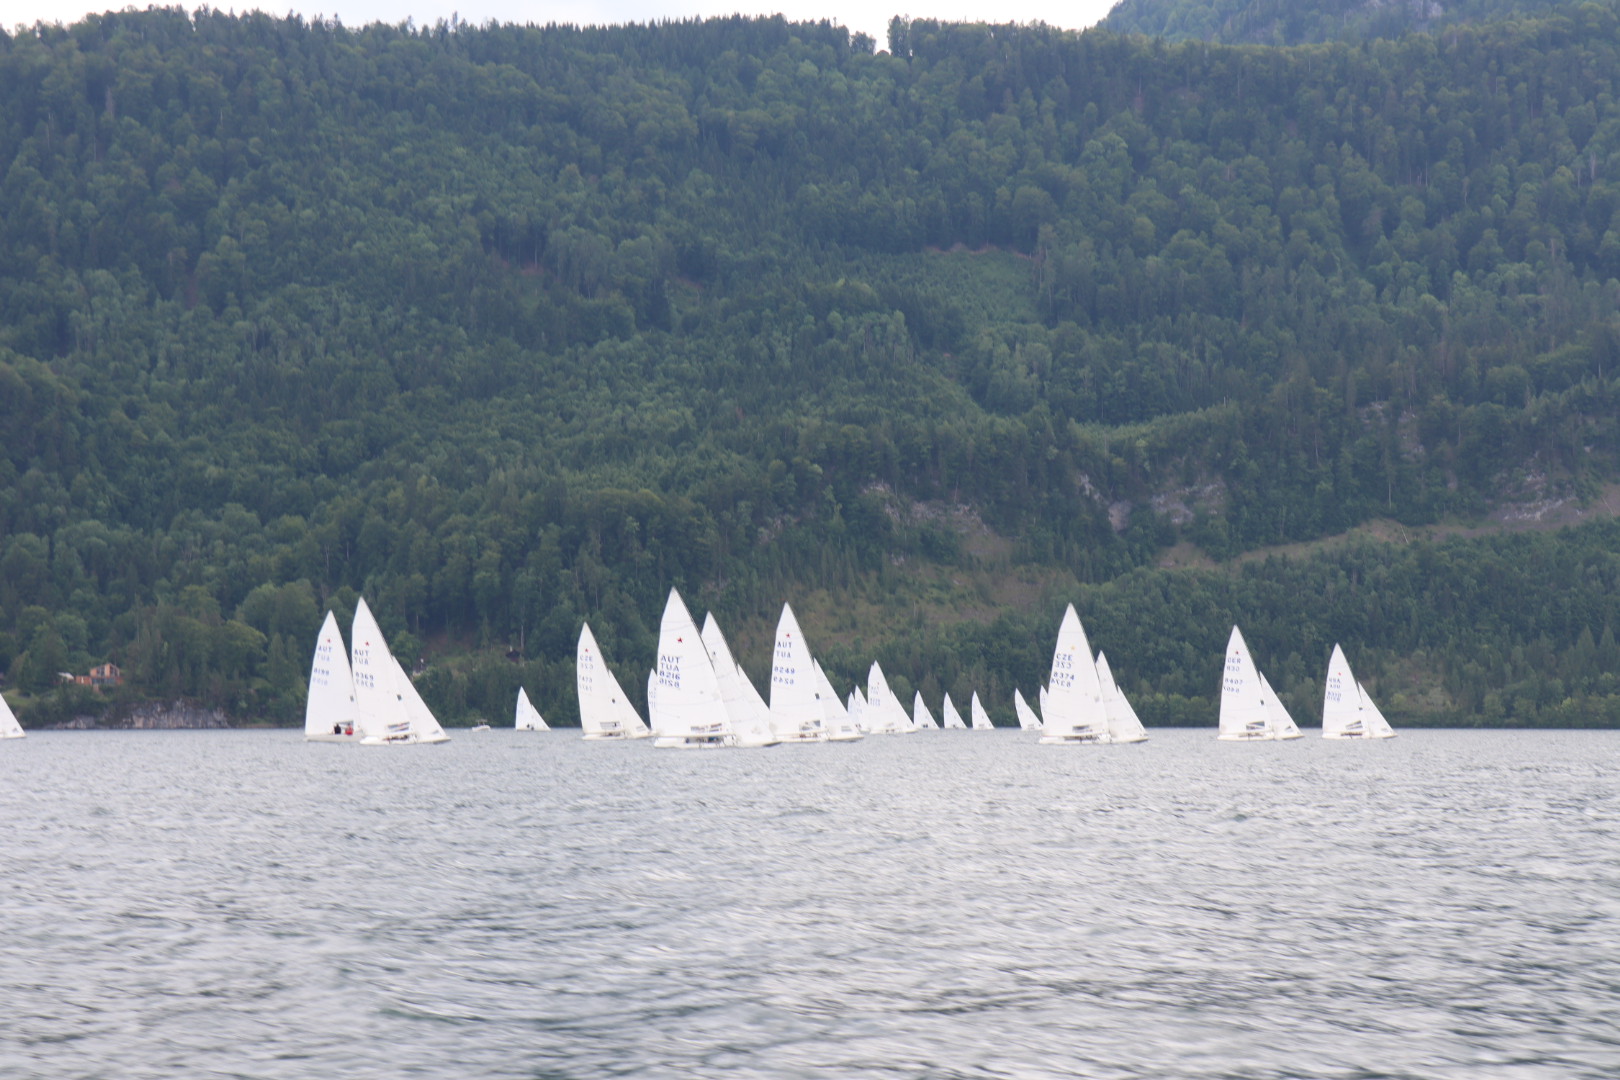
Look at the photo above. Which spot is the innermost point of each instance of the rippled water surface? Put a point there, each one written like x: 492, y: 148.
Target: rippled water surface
x: 950, y: 904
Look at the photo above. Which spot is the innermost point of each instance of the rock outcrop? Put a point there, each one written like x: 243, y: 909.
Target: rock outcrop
x: 150, y: 715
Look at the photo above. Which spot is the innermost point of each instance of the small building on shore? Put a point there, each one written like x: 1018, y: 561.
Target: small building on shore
x: 101, y: 677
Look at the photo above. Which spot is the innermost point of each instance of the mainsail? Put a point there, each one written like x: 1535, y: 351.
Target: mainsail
x: 329, y: 710
x: 1073, y: 710
x: 604, y: 710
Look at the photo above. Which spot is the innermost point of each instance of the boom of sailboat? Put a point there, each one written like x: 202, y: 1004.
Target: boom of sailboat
x: 700, y: 698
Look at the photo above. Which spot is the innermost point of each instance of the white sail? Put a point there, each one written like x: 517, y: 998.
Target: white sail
x: 527, y: 716
x: 921, y: 718
x: 1342, y: 714
x: 11, y: 729
x: 858, y: 710
x: 388, y: 710
x: 1348, y: 711
x: 750, y: 717
x: 1027, y: 720
x: 953, y: 719
x: 1243, y: 706
x: 795, y: 703
x: 604, y: 710
x: 884, y: 713
x: 1282, y: 725
x: 1073, y: 710
x: 329, y: 710
x: 1124, y: 726
x: 840, y: 725
x: 424, y: 726
x: 1377, y: 726
x: 689, y: 711
x: 981, y: 719
x: 1043, y: 706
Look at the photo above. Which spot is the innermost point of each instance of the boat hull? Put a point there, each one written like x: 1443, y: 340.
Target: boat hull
x: 694, y: 742
x: 403, y: 740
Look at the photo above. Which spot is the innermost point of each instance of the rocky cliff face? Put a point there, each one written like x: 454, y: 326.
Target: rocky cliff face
x: 151, y: 715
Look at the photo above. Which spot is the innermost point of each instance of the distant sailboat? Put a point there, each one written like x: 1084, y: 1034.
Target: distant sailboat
x: 884, y: 713
x: 388, y: 710
x: 604, y: 710
x: 921, y: 718
x: 424, y: 727
x: 749, y: 715
x: 796, y: 714
x: 981, y: 719
x: 1347, y: 711
x: 953, y: 719
x: 840, y: 726
x: 684, y: 704
x: 1072, y: 710
x: 1027, y: 720
x: 1124, y: 726
x: 329, y: 710
x: 528, y: 717
x: 857, y: 710
x: 1250, y: 710
x: 10, y: 728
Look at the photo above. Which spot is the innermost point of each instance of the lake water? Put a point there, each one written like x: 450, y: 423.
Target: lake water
x: 940, y: 905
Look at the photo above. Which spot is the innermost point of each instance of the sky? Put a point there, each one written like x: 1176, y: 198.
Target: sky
x: 851, y: 13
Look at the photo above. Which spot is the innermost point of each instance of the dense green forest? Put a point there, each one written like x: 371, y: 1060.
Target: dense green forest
x: 1283, y: 22
x: 508, y: 328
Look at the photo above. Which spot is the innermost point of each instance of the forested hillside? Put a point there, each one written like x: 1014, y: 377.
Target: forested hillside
x: 507, y: 328
x: 1283, y: 22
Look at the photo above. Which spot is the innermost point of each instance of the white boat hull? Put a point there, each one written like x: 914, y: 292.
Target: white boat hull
x: 694, y: 742
x: 1082, y: 738
x: 403, y: 740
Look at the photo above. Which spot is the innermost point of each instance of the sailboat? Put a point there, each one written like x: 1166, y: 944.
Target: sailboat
x: 1250, y: 710
x: 424, y: 728
x: 1124, y: 725
x: 884, y: 713
x: 528, y: 717
x: 388, y: 710
x: 1073, y: 710
x: 604, y: 710
x: 9, y: 727
x: 329, y: 711
x: 981, y: 719
x: 1347, y: 711
x: 953, y: 719
x: 796, y: 714
x: 1027, y: 720
x: 749, y: 715
x: 857, y: 709
x: 840, y: 726
x: 684, y: 704
x: 921, y: 718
